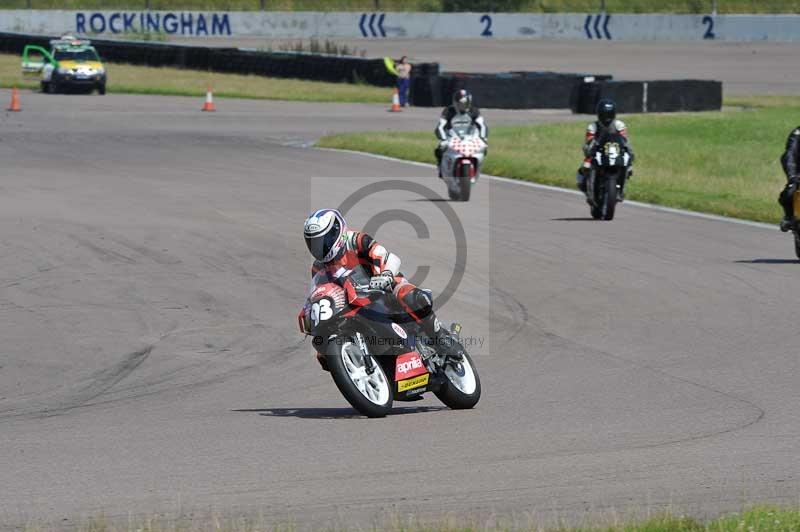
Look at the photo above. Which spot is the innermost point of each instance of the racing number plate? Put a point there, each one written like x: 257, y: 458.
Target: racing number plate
x: 410, y: 384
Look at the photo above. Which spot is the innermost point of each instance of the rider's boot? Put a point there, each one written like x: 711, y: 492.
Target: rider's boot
x: 582, y: 175
x: 443, y: 341
x: 323, y: 361
x: 624, y: 183
x: 785, y: 200
x: 438, y: 153
x: 580, y: 181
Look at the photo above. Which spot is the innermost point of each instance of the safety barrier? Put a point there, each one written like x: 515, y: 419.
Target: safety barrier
x: 319, y: 67
x: 511, y: 90
x: 429, y: 87
x: 660, y: 96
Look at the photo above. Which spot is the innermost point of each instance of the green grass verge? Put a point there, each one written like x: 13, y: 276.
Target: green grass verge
x: 542, y: 6
x: 759, y: 519
x: 719, y: 162
x: 132, y: 79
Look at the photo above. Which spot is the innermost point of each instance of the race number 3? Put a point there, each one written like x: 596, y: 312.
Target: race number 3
x: 321, y: 311
x: 486, y: 20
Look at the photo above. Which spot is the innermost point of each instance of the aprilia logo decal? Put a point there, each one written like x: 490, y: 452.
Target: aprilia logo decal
x: 409, y: 365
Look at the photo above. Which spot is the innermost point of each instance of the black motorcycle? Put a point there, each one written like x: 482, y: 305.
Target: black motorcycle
x: 605, y: 184
x: 375, y: 352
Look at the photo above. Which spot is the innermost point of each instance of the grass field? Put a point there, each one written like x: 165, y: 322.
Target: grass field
x: 758, y: 519
x: 720, y: 162
x: 546, y: 6
x: 172, y: 81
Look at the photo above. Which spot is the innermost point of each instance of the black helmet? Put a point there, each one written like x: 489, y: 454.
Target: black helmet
x: 606, y: 111
x: 462, y: 100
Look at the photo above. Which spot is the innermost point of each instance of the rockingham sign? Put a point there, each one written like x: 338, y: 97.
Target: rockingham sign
x: 153, y: 21
x: 388, y: 25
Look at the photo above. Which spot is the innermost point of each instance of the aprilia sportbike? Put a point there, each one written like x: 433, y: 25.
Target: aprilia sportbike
x: 462, y: 160
x: 375, y: 352
x: 606, y: 181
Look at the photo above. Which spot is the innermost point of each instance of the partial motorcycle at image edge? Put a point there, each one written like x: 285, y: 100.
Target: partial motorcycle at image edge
x: 606, y: 181
x: 796, y: 222
x: 375, y: 352
x: 462, y: 160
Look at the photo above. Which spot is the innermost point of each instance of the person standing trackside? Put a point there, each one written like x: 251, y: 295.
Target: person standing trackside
x: 403, y: 69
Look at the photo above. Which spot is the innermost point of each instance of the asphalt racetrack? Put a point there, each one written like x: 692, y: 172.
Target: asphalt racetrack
x: 152, y: 267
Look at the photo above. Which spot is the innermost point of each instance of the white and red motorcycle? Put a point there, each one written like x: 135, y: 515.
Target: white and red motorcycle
x: 464, y: 151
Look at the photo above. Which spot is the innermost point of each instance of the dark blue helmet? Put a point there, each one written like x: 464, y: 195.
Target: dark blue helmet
x: 606, y: 111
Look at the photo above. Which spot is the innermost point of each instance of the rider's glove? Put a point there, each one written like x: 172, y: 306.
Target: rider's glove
x: 382, y: 281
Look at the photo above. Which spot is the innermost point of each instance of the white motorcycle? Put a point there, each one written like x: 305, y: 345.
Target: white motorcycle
x: 464, y: 151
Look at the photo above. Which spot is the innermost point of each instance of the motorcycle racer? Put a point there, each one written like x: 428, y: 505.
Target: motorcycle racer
x: 605, y: 124
x: 460, y: 109
x: 335, y: 247
x: 790, y: 161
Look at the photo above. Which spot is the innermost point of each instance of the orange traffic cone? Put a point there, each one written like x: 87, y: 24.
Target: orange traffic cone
x: 14, y: 101
x: 209, y: 105
x: 395, y: 102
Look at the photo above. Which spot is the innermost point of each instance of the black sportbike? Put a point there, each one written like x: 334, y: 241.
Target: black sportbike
x: 605, y: 184
x: 375, y: 352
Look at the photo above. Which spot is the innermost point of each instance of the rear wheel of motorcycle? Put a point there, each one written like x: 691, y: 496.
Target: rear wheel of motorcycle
x: 464, y: 182
x: 369, y: 393
x: 463, y: 387
x: 610, y: 198
x: 797, y: 244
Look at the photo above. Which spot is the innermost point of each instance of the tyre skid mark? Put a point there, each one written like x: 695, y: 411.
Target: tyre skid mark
x: 538, y: 330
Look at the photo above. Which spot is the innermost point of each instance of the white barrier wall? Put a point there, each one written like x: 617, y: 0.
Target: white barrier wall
x: 389, y: 25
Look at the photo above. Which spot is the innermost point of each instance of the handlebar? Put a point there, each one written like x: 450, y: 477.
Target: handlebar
x: 365, y: 289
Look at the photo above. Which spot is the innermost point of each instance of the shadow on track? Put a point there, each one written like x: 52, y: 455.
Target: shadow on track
x: 768, y: 261
x: 333, y: 413
x: 583, y: 219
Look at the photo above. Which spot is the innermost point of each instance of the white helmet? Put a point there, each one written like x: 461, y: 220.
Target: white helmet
x: 324, y: 232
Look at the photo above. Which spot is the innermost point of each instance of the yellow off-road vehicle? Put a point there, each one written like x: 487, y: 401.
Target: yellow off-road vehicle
x: 71, y: 64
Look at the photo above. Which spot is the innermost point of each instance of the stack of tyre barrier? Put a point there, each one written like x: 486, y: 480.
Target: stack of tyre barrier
x: 651, y: 96
x: 507, y: 90
x: 579, y: 92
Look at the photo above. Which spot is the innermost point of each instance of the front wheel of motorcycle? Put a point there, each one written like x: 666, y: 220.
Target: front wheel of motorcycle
x: 370, y: 393
x: 463, y: 387
x: 464, y: 182
x: 610, y: 198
